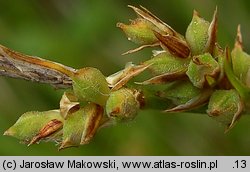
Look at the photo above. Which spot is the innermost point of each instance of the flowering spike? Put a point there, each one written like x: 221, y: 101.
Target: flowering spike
x: 188, y: 74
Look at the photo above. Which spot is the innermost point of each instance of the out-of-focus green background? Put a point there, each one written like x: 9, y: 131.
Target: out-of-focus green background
x: 83, y: 33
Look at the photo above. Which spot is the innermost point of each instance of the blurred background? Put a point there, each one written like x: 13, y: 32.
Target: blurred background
x: 83, y: 33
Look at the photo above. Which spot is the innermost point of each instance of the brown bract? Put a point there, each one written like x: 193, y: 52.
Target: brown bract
x: 17, y: 65
x: 93, y: 122
x: 119, y: 79
x: 49, y: 129
x: 174, y: 45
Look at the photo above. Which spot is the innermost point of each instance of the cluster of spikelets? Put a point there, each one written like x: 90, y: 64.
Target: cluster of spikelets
x: 188, y: 73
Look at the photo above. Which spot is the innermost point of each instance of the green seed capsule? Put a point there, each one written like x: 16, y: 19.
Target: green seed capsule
x: 181, y: 92
x: 241, y: 65
x: 123, y: 105
x: 240, y: 61
x: 29, y: 124
x: 242, y: 89
x: 89, y: 84
x: 149, y: 31
x: 81, y: 125
x: 165, y: 62
x: 197, y: 34
x: 225, y: 106
x: 139, y: 31
x: 203, y: 70
x: 73, y: 128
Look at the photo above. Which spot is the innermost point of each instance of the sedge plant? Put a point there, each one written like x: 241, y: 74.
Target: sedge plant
x: 187, y: 73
